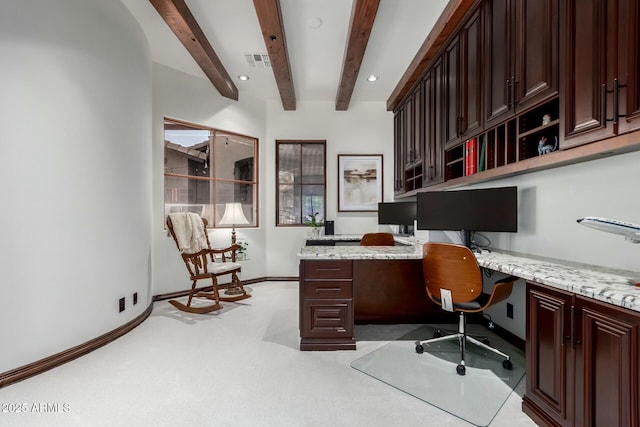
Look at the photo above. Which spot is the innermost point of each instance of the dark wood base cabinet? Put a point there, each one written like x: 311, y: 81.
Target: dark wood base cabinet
x: 335, y: 294
x: 582, y: 360
x: 326, y: 305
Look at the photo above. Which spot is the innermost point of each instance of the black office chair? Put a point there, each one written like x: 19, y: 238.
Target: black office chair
x: 454, y: 267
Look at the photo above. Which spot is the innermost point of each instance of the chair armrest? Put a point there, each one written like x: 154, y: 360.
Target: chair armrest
x: 229, y: 252
x: 501, y: 290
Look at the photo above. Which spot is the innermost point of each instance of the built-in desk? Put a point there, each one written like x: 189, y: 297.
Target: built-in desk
x: 582, y: 334
x: 343, y: 285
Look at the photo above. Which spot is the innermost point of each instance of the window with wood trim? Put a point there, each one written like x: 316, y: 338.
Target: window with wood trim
x: 205, y: 168
x: 301, y: 181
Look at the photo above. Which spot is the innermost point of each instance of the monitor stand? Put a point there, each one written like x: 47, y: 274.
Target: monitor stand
x: 466, y: 238
x: 405, y: 230
x: 467, y: 241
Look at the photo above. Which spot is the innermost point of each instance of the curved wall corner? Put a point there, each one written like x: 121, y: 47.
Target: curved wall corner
x: 75, y: 115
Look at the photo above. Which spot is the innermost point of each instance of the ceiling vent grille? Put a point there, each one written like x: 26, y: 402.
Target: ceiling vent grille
x: 258, y: 60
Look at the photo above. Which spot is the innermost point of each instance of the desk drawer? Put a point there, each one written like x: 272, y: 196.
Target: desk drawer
x: 325, y: 269
x: 327, y: 319
x: 325, y: 289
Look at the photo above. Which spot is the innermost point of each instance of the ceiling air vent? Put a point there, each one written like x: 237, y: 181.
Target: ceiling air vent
x: 258, y: 60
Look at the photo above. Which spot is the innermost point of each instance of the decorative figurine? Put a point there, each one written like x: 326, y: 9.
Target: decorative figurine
x: 544, y: 148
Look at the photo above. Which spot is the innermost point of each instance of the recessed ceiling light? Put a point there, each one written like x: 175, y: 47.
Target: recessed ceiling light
x: 243, y: 77
x: 372, y: 78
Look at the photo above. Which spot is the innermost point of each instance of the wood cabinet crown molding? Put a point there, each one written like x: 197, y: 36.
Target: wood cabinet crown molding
x: 446, y: 24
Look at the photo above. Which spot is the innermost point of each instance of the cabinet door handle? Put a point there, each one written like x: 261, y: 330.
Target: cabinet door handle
x: 508, y: 93
x: 575, y: 337
x: 514, y: 83
x: 603, y: 108
x: 616, y: 88
x: 573, y: 317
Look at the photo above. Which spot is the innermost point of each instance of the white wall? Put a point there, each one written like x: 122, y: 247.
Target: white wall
x: 366, y: 128
x: 182, y: 96
x: 550, y: 202
x: 75, y: 114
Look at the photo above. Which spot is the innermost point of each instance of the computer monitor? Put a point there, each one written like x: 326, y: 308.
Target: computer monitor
x: 398, y: 213
x: 487, y: 209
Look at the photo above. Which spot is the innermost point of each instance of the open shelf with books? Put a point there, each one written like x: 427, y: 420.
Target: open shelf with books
x: 530, y: 134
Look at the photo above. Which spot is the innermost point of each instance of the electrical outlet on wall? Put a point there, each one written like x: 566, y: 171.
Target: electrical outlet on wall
x: 510, y: 310
x: 135, y: 298
x: 121, y: 305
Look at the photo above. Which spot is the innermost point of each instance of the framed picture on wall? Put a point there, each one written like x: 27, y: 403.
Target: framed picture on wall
x: 359, y: 182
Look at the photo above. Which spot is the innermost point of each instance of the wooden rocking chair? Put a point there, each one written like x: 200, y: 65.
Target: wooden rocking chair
x: 209, y: 263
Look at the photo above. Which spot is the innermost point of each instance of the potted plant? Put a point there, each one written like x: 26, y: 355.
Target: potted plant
x: 316, y: 225
x: 242, y: 250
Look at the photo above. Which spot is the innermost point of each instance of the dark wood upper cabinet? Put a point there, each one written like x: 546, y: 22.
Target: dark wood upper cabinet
x: 600, y: 70
x: 398, y: 153
x: 417, y: 102
x: 462, y: 65
x: 629, y: 66
x: 471, y: 60
x: 409, y: 141
x: 536, y: 77
x: 585, y: 71
x: 451, y: 61
x: 432, y: 155
x: 522, y: 55
x: 499, y: 51
x: 506, y: 75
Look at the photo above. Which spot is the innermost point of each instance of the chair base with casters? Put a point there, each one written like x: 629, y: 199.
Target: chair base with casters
x: 454, y: 268
x: 463, y: 338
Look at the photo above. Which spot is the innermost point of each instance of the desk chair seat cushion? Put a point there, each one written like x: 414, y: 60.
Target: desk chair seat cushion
x: 475, y: 305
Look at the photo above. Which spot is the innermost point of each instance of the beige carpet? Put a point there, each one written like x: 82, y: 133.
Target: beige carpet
x: 237, y: 367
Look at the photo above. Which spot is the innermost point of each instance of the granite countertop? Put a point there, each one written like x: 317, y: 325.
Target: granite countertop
x: 613, y: 286
x: 361, y: 252
x: 341, y: 237
x: 601, y: 283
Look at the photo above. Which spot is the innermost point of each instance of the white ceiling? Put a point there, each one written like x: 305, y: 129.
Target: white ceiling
x: 315, y: 54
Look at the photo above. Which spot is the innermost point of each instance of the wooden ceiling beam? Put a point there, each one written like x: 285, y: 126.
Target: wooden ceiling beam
x: 446, y: 24
x: 363, y: 14
x: 270, y: 18
x: 179, y: 18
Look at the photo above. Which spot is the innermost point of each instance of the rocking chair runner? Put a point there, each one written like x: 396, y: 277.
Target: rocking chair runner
x: 207, y: 263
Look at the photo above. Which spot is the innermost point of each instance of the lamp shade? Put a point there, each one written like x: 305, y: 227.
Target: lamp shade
x: 233, y: 215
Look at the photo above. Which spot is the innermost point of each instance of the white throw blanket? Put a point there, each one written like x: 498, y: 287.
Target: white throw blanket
x: 189, y: 231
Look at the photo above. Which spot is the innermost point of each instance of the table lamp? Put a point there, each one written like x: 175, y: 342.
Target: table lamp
x: 233, y: 216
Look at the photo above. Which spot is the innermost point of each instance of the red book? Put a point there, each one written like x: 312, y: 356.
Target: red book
x: 467, y: 153
x: 473, y: 165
